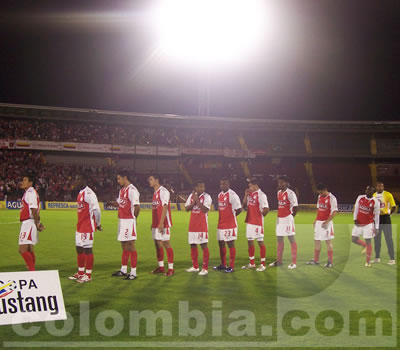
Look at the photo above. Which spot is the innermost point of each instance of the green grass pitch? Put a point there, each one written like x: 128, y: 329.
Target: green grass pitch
x: 268, y: 296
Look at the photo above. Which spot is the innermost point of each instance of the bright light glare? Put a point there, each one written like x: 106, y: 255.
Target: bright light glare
x: 210, y: 31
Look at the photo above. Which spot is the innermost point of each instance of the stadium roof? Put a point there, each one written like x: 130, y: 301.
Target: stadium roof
x: 171, y: 120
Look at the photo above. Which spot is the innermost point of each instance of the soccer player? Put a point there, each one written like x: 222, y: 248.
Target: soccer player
x: 256, y: 203
x: 30, y: 221
x: 229, y: 207
x: 323, y: 225
x: 198, y: 203
x: 366, y: 221
x: 388, y: 207
x: 287, y: 210
x: 128, y: 211
x: 161, y: 225
x: 89, y: 217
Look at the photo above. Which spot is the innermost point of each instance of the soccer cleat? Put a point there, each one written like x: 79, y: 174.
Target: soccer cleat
x: 203, y: 272
x: 130, y: 277
x: 392, y: 262
x: 312, y: 262
x: 364, y: 250
x: 229, y: 269
x: 192, y: 269
x: 367, y: 264
x: 377, y: 261
x: 169, y: 273
x: 275, y: 264
x: 261, y: 268
x: 248, y: 267
x: 119, y: 273
x: 292, y: 266
x: 219, y: 268
x: 84, y: 279
x: 75, y: 277
x: 328, y: 264
x: 159, y: 269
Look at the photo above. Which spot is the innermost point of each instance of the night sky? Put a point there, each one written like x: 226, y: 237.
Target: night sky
x: 336, y: 60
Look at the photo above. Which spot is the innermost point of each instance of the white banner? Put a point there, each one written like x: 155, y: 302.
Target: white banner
x: 30, y: 296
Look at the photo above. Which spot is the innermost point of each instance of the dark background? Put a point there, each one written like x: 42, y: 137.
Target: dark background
x: 340, y: 61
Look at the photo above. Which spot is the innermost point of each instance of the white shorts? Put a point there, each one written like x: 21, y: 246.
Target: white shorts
x: 28, y: 233
x: 366, y: 231
x: 228, y: 234
x: 285, y: 226
x: 198, y: 237
x: 164, y: 235
x: 84, y: 240
x: 254, y: 232
x: 126, y: 230
x: 323, y: 234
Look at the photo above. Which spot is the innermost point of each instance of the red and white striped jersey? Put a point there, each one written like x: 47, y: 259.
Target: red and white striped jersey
x: 161, y: 197
x: 199, y: 219
x: 87, y: 203
x: 256, y: 202
x: 286, y: 201
x: 326, y: 205
x: 30, y: 200
x: 366, y: 211
x: 228, y: 203
x: 127, y: 199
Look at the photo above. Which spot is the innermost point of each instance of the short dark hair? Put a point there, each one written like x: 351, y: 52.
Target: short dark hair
x: 198, y: 182
x: 283, y: 178
x: 156, y: 176
x: 225, y: 179
x: 321, y: 187
x: 253, y: 181
x: 31, y: 176
x: 124, y: 173
x: 379, y: 182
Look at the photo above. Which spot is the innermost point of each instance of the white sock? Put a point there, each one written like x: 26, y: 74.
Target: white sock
x: 88, y: 272
x: 161, y: 263
x: 171, y: 266
x: 133, y: 271
x: 124, y: 269
x: 81, y: 269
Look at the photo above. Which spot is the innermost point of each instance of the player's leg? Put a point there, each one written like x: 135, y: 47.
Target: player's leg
x: 222, y: 251
x: 329, y: 247
x: 377, y: 244
x: 126, y: 253
x: 317, y: 251
x: 279, y: 251
x: 194, y: 254
x: 387, y: 231
x: 252, y: 251
x: 206, y: 257
x: 263, y: 252
x: 293, y: 247
x: 369, y: 251
x: 170, y: 256
x: 355, y: 238
x: 81, y: 259
x: 24, y: 250
x: 232, y: 256
x: 131, y: 249
x: 89, y: 262
x: 160, y: 256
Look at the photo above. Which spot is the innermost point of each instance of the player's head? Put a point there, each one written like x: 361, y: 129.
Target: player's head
x: 283, y: 182
x: 369, y: 191
x: 253, y: 184
x: 28, y: 180
x: 199, y: 186
x: 153, y: 180
x: 224, y: 184
x: 123, y: 178
x: 322, y: 189
x: 379, y: 186
x: 82, y: 180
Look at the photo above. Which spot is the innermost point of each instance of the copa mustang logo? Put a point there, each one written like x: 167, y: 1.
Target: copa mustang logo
x: 14, y: 298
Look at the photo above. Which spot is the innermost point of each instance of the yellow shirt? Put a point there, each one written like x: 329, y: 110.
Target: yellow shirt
x: 386, y: 201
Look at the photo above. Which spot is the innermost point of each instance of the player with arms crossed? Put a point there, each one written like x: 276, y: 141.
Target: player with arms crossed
x: 198, y: 203
x: 323, y: 224
x: 287, y: 210
x: 30, y: 221
x: 256, y: 203
x: 89, y: 217
x: 128, y: 211
x: 161, y: 225
x: 366, y: 221
x: 229, y: 207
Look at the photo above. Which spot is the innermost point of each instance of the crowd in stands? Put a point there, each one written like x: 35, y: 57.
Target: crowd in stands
x: 97, y: 133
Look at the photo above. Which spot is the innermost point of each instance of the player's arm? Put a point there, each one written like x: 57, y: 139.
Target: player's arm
x: 205, y: 207
x: 377, y: 211
x: 163, y: 215
x: 35, y: 215
x: 265, y: 211
x: 189, y: 204
x: 355, y: 213
x: 294, y: 211
x: 334, y: 210
x: 392, y: 203
x: 135, y: 201
x: 95, y: 207
x: 293, y: 201
x: 136, y: 210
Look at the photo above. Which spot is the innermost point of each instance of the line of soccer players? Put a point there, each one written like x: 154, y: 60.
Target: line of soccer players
x: 255, y: 202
